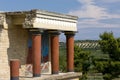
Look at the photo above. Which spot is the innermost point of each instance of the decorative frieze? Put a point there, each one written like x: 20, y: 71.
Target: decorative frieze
x: 54, y: 22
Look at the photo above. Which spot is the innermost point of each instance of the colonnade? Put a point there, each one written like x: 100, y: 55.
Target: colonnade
x: 54, y: 44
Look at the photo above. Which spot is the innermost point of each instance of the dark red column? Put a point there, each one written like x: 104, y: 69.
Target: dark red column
x: 55, y: 53
x: 14, y: 69
x: 36, y: 51
x: 70, y: 51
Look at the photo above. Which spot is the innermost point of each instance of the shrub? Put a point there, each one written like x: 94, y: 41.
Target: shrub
x: 107, y: 77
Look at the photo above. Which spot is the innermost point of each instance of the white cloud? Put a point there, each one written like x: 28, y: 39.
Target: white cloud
x: 86, y: 1
x: 113, y: 16
x: 110, y: 1
x: 90, y: 10
x: 95, y: 24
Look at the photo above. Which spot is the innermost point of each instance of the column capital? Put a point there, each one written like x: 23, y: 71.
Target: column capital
x: 36, y: 31
x: 54, y: 32
x: 69, y: 33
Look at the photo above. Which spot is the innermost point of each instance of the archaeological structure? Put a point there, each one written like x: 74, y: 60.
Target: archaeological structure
x: 30, y: 40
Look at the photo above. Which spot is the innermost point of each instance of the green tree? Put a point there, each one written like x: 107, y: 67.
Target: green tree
x: 110, y: 45
x: 81, y: 60
x: 62, y: 57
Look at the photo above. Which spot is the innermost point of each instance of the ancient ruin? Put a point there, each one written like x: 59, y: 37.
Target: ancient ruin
x: 32, y: 37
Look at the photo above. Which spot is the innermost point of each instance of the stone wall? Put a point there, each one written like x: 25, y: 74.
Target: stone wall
x: 13, y: 45
x: 18, y: 44
x: 4, y: 44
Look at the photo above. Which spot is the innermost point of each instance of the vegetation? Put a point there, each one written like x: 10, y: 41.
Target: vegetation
x: 62, y: 57
x: 82, y: 60
x: 111, y: 46
x: 103, y: 60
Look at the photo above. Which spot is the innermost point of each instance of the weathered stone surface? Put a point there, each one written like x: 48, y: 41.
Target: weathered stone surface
x: 60, y: 76
x: 1, y: 19
x: 13, y: 45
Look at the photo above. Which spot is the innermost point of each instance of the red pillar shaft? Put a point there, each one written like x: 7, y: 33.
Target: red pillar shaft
x: 55, y: 53
x: 14, y: 69
x: 36, y: 51
x: 70, y: 52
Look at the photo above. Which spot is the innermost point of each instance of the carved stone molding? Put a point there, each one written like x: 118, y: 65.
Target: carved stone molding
x: 29, y: 20
x: 1, y: 19
x: 55, y: 22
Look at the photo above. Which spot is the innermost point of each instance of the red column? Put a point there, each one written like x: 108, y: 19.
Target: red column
x: 70, y: 51
x: 14, y: 69
x: 55, y: 53
x: 36, y: 51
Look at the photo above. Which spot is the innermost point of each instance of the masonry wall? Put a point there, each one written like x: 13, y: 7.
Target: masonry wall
x: 13, y: 45
x: 4, y: 44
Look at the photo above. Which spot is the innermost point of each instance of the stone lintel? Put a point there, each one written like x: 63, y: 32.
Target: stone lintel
x: 50, y: 20
x: 42, y: 12
x: 43, y: 19
x: 55, y: 14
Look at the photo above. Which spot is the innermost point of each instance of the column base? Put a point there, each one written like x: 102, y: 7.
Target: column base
x: 36, y: 75
x: 55, y: 72
x: 14, y: 78
x: 70, y: 70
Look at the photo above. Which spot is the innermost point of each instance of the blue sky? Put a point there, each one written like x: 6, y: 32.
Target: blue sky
x: 95, y: 16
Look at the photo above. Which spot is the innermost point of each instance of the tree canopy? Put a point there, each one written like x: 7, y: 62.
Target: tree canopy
x: 110, y: 45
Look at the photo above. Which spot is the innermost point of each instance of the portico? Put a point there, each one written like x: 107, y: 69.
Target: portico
x: 42, y: 29
x: 53, y: 23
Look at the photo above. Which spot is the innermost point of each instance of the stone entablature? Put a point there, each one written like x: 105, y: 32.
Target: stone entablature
x: 52, y: 20
x: 44, y: 20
